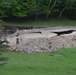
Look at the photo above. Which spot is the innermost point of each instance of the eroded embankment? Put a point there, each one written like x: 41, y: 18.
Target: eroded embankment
x: 43, y: 41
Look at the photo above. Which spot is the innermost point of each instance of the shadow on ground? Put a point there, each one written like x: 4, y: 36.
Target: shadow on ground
x: 3, y: 60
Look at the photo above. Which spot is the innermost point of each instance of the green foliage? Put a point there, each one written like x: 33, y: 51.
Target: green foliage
x: 31, y: 6
x: 26, y: 8
x: 53, y: 22
x: 19, y: 11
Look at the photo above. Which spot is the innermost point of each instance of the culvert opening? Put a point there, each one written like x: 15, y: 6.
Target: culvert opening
x: 64, y: 32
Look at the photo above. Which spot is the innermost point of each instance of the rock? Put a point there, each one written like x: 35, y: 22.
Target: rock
x: 46, y: 41
x: 4, y: 43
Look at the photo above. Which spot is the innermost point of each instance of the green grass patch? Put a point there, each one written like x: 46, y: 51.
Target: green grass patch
x: 62, y: 62
x: 47, y: 23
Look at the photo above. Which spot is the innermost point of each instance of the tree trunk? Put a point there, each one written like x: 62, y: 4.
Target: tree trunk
x: 49, y: 3
x: 61, y: 12
x: 48, y: 13
x: 37, y: 9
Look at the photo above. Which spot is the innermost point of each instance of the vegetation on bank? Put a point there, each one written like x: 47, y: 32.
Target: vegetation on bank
x: 62, y: 62
x: 42, y: 23
x: 37, y: 9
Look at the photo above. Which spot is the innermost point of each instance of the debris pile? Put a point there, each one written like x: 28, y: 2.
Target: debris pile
x: 38, y: 45
x: 43, y: 40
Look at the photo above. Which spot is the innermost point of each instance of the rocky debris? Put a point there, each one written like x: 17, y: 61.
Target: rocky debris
x: 36, y: 40
x: 45, y: 44
x: 11, y: 29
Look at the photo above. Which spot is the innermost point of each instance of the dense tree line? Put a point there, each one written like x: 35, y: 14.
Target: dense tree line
x: 38, y: 9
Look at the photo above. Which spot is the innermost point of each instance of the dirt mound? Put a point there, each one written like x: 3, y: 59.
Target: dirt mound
x: 43, y: 40
x: 45, y: 44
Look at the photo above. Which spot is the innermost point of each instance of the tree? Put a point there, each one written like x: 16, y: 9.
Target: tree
x: 31, y: 7
x: 66, y: 4
x: 50, y: 9
x: 38, y: 8
x: 19, y: 9
x: 71, y: 10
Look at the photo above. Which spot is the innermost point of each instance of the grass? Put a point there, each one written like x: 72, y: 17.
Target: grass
x: 62, y: 22
x: 62, y: 62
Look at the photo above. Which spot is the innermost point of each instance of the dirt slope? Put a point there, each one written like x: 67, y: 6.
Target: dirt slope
x: 36, y: 41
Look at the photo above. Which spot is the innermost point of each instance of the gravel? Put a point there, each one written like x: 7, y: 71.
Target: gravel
x: 45, y: 41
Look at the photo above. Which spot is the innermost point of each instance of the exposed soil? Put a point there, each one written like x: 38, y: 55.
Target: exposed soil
x: 42, y: 39
x: 36, y: 40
